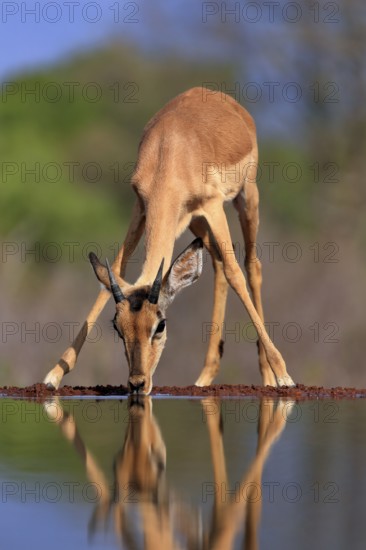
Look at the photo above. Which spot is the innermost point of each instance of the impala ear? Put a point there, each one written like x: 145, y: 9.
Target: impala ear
x: 184, y: 271
x: 101, y: 271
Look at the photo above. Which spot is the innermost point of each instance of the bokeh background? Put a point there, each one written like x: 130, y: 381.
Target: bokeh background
x: 79, y: 82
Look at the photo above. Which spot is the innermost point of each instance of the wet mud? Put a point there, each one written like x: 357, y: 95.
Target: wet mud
x: 299, y: 392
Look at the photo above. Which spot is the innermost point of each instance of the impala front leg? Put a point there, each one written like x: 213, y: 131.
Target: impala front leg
x: 69, y: 357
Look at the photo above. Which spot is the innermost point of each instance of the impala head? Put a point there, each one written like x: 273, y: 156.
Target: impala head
x: 140, y: 318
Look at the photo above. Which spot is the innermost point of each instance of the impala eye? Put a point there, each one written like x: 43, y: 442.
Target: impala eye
x: 161, y: 327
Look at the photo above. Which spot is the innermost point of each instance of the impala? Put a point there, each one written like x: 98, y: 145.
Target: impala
x: 196, y: 153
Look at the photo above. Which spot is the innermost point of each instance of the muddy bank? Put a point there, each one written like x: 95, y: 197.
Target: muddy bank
x: 221, y: 390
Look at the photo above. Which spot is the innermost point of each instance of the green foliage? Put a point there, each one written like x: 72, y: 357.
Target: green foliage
x: 289, y: 183
x: 68, y: 149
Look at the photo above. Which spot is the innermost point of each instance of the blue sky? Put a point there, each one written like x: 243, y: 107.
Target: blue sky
x: 35, y: 33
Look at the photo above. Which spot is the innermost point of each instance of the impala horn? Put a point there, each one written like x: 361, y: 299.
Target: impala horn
x: 115, y: 288
x: 156, y: 286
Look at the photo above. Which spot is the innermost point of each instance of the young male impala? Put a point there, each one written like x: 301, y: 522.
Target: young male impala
x: 196, y: 153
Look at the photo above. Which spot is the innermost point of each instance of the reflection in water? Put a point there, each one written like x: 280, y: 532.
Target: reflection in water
x: 146, y: 512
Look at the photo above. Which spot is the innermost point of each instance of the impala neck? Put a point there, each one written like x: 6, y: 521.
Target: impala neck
x: 160, y: 234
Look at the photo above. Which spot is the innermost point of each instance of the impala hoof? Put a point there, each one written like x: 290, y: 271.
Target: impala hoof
x: 202, y: 381
x: 51, y: 382
x: 285, y: 381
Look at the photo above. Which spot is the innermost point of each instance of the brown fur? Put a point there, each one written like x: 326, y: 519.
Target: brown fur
x: 197, y: 152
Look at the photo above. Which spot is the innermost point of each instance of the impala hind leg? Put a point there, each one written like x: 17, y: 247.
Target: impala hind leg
x: 215, y: 346
x: 247, y: 207
x: 216, y: 218
x: 69, y: 357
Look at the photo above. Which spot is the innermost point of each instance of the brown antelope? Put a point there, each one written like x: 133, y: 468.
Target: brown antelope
x: 140, y: 486
x: 196, y: 153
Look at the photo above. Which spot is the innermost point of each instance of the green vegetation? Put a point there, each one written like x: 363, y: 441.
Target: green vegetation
x: 69, y: 143
x: 68, y: 149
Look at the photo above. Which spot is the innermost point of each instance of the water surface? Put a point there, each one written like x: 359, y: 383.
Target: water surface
x: 183, y: 473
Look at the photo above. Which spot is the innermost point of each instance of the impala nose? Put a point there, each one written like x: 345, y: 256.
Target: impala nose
x: 136, y: 384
